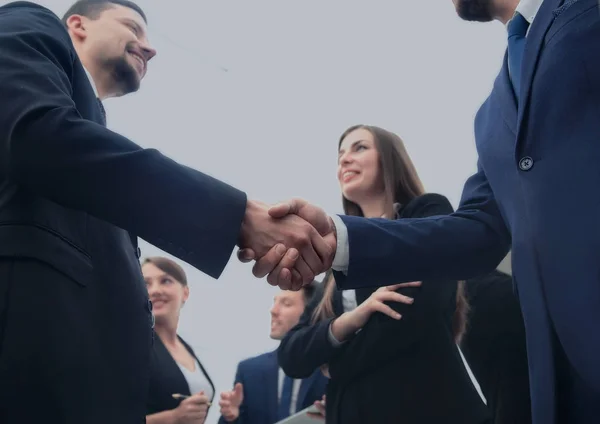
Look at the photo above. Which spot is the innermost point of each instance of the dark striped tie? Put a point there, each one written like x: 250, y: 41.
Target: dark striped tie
x: 103, y: 111
x: 517, y: 30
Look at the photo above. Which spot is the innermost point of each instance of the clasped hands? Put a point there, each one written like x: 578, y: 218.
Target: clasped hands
x: 291, y: 242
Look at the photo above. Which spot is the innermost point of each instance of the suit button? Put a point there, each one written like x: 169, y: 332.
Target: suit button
x: 138, y: 252
x: 149, y: 306
x: 526, y: 163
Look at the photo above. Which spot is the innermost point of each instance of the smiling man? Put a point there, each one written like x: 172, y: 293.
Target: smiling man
x: 262, y: 393
x: 75, y: 321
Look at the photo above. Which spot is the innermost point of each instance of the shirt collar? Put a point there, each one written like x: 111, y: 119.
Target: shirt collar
x: 528, y: 9
x: 91, y: 82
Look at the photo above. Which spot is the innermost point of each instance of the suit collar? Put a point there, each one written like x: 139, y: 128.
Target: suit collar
x: 92, y: 83
x: 533, y: 46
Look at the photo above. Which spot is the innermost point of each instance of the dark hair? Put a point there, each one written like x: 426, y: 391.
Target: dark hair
x: 93, y: 8
x: 169, y: 267
x: 308, y: 292
x: 401, y: 184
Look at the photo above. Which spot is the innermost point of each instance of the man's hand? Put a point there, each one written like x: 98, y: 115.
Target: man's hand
x: 284, y: 267
x: 292, y: 242
x: 230, y: 403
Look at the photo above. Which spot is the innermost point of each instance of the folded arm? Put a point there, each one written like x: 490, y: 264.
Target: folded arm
x: 307, y: 346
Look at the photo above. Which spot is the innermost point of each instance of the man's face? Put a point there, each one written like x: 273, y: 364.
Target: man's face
x: 474, y: 10
x: 287, y: 308
x: 117, y: 44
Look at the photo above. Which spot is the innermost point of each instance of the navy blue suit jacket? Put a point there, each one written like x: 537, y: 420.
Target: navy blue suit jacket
x: 548, y: 212
x: 260, y: 378
x: 74, y: 197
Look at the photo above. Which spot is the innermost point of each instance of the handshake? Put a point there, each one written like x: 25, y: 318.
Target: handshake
x: 291, y: 242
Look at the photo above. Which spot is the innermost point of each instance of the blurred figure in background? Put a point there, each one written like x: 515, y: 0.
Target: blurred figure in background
x: 495, y: 348
x: 389, y: 360
x: 262, y: 393
x: 175, y: 368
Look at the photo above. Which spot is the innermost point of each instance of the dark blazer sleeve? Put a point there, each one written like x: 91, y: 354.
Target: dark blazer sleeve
x: 470, y: 242
x: 49, y: 149
x: 383, y: 338
x: 243, y: 417
x: 306, y: 346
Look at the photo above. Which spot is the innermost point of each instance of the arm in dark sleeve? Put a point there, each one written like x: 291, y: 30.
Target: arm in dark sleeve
x: 47, y: 148
x: 306, y: 346
x: 470, y: 242
x: 383, y: 338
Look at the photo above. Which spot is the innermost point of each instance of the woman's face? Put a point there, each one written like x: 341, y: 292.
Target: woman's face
x: 166, y: 293
x: 358, y: 166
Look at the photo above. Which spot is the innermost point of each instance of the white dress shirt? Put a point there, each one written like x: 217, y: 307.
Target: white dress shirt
x: 295, y: 389
x: 93, y: 84
x: 528, y: 9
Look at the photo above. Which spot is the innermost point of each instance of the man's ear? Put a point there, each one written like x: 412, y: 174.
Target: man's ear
x: 76, y: 26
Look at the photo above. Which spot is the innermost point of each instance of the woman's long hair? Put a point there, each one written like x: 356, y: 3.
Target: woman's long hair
x: 401, y: 184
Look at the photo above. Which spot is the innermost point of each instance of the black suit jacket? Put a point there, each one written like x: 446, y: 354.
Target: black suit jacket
x: 495, y: 348
x: 166, y: 378
x: 74, y: 197
x: 407, y: 371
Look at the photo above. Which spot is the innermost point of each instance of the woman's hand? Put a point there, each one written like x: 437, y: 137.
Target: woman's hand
x: 350, y: 322
x: 192, y: 410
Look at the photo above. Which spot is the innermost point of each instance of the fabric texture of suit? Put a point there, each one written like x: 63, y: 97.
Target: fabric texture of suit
x: 166, y: 378
x: 75, y: 321
x: 534, y: 191
x: 260, y: 378
x: 407, y: 371
x: 494, y: 346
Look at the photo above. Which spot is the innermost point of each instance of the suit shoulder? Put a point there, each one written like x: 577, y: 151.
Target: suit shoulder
x: 255, y: 360
x: 426, y: 205
x: 22, y: 18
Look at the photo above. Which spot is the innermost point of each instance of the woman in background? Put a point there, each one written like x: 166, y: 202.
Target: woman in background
x: 388, y: 361
x: 175, y: 369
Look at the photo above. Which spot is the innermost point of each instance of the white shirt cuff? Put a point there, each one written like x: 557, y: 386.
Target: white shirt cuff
x: 342, y: 253
x: 334, y: 342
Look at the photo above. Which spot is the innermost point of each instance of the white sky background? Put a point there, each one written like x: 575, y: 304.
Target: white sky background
x: 299, y: 73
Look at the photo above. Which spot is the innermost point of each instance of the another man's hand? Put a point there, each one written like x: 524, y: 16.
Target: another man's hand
x: 230, y: 403
x: 292, y: 242
x: 284, y: 267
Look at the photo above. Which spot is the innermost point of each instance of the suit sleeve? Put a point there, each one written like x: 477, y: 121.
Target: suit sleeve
x: 306, y: 346
x: 470, y: 242
x: 242, y: 418
x: 46, y: 147
x: 383, y: 338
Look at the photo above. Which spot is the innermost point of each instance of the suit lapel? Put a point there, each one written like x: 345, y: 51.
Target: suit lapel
x: 533, y: 47
x: 272, y: 385
x: 506, y: 96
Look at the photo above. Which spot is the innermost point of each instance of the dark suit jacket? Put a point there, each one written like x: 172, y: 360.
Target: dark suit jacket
x: 407, y: 371
x: 166, y: 378
x: 535, y: 190
x: 260, y: 378
x: 494, y: 346
x: 74, y: 197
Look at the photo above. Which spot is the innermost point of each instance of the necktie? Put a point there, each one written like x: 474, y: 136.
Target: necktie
x: 286, y: 398
x: 517, y: 30
x: 102, y: 110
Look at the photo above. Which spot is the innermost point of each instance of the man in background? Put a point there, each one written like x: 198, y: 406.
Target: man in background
x: 262, y: 393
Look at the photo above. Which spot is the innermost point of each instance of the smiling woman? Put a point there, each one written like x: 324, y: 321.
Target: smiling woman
x: 175, y: 369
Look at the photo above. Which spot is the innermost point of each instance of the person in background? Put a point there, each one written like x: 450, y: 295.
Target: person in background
x: 174, y: 367
x: 494, y: 346
x: 390, y: 360
x: 262, y: 393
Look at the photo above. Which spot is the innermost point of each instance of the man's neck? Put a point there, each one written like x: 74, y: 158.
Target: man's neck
x: 504, y: 10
